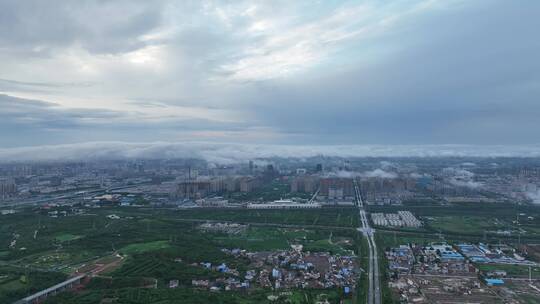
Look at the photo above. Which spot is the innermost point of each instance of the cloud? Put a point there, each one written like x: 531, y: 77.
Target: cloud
x: 18, y: 111
x: 417, y: 175
x: 461, y: 178
x: 38, y: 28
x: 342, y: 174
x: 457, y: 172
x: 466, y: 183
x: 388, y: 166
x: 288, y: 72
x: 442, y: 89
x: 34, y: 122
x: 379, y: 173
x: 225, y: 153
x: 534, y: 196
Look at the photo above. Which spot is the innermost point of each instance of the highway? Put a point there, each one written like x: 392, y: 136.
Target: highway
x: 73, y: 194
x: 374, y: 287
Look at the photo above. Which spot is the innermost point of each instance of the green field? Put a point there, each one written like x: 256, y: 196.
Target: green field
x: 144, y: 247
x: 468, y: 224
x: 66, y: 237
x: 271, y: 238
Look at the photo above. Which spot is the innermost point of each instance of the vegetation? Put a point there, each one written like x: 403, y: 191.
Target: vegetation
x: 188, y: 295
x: 338, y: 217
x: 16, y: 283
x: 158, y: 246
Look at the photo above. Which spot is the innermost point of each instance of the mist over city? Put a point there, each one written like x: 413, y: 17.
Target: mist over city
x: 234, y: 151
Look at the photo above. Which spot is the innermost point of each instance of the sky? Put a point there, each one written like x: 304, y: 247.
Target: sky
x: 310, y: 73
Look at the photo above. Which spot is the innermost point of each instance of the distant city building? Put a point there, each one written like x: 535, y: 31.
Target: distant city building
x: 232, y: 184
x: 283, y: 204
x: 304, y: 184
x: 8, y: 188
x: 270, y: 173
x: 336, y: 188
x: 251, y: 167
x: 218, y: 185
x: 192, y: 189
x: 249, y: 184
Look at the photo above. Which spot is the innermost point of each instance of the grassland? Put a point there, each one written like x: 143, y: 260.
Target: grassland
x: 137, y: 248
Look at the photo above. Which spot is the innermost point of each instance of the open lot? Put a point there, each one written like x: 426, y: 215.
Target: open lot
x: 517, y: 271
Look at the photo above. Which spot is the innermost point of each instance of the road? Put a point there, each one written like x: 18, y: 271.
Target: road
x: 374, y: 287
x: 72, y: 194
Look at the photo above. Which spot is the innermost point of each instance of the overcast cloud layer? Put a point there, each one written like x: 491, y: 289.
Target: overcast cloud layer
x: 421, y: 72
x: 226, y: 153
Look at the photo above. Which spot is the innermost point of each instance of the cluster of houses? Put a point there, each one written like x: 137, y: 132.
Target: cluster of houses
x: 284, y: 269
x: 296, y: 269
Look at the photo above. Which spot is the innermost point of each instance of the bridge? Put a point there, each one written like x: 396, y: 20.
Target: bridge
x: 40, y: 296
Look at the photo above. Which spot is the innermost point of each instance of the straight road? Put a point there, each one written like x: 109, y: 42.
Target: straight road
x: 374, y: 288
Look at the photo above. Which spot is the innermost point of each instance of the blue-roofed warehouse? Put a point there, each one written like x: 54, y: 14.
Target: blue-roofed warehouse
x: 494, y: 282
